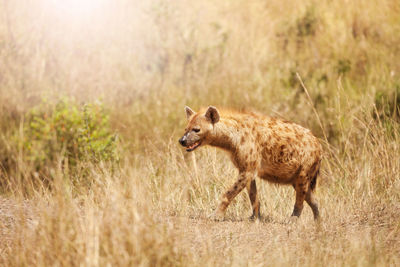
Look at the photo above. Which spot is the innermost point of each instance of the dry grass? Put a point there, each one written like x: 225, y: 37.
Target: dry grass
x: 146, y: 60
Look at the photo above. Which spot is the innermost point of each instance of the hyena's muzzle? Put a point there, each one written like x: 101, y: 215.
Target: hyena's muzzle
x: 190, y: 142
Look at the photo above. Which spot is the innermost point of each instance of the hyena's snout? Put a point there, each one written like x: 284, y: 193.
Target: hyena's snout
x: 183, y: 141
x: 189, y: 142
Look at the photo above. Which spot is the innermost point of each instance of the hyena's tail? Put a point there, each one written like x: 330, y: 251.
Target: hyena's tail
x: 313, y: 183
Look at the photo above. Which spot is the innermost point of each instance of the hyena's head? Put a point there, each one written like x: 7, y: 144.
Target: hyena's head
x: 199, y: 128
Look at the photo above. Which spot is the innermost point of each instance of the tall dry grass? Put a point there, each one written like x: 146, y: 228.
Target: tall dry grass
x: 145, y: 60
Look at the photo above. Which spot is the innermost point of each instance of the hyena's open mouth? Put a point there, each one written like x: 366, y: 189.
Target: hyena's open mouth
x: 193, y: 147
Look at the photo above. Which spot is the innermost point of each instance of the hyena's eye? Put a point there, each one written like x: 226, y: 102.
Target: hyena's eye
x: 196, y: 130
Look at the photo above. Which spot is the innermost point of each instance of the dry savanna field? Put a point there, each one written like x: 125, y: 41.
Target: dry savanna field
x: 92, y: 97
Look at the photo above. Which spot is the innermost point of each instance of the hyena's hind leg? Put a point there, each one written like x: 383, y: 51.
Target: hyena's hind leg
x: 255, y: 203
x: 312, y: 203
x: 305, y: 187
x: 310, y: 196
x: 301, y: 187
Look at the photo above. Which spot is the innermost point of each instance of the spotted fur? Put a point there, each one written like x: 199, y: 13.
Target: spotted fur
x: 275, y: 150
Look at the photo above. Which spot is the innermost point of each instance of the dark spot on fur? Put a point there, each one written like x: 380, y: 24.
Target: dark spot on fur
x: 272, y: 122
x: 241, y: 168
x: 299, y: 135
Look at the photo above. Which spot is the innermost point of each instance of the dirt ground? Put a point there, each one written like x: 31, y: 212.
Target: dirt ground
x: 253, y: 243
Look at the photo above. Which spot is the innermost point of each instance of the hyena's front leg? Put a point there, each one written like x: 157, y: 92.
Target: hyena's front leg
x: 255, y: 204
x: 238, y: 186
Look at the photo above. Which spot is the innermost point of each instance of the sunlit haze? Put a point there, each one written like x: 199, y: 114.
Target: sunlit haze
x: 76, y: 9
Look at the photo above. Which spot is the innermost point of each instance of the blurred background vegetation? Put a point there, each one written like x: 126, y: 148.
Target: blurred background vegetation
x: 145, y: 60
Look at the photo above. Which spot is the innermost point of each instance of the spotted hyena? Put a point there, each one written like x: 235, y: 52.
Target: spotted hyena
x: 275, y: 150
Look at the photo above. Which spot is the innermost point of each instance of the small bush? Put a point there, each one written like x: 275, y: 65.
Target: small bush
x: 307, y: 24
x: 387, y: 110
x: 388, y: 104
x: 343, y: 66
x: 74, y: 133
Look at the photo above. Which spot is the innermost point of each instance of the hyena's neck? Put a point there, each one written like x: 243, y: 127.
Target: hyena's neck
x: 225, y: 135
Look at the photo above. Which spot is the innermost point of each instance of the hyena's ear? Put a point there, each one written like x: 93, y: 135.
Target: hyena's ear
x: 212, y: 114
x: 189, y: 112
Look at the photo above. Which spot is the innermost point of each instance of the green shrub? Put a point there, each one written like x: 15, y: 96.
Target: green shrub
x: 388, y: 104
x: 307, y: 24
x: 69, y: 132
x: 343, y: 66
x: 387, y: 110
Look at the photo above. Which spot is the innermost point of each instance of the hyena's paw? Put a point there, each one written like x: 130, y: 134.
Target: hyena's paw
x: 217, y: 216
x: 254, y: 218
x: 293, y: 220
